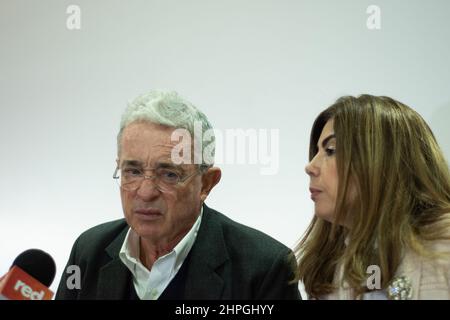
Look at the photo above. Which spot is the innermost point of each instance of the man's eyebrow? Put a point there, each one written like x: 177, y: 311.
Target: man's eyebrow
x: 327, y: 139
x: 168, y: 165
x: 158, y: 164
x: 132, y: 163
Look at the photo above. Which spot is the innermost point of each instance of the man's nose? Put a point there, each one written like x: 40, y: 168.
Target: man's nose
x: 148, y: 189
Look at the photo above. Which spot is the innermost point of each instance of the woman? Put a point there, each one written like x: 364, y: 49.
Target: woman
x: 381, y: 189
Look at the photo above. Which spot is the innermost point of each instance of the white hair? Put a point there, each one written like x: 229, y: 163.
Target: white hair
x: 167, y: 108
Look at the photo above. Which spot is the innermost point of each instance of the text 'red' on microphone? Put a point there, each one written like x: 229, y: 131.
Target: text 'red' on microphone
x: 29, y: 277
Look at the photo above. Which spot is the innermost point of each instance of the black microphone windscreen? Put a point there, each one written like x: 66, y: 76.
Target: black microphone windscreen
x: 38, y: 264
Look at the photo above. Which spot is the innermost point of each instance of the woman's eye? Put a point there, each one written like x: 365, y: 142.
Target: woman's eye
x: 330, y: 151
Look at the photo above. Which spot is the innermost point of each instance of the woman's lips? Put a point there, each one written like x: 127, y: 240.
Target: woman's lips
x: 314, y: 193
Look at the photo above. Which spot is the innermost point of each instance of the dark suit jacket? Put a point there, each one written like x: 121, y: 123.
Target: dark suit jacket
x: 227, y: 261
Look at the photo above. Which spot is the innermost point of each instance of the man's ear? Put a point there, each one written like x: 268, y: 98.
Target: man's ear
x: 209, y: 179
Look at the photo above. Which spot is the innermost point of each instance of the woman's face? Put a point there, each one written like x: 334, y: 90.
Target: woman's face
x: 323, y: 174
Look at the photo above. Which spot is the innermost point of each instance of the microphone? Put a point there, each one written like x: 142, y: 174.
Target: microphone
x: 29, y: 277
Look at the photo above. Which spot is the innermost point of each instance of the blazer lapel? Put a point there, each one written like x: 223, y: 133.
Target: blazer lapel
x: 209, y: 262
x: 114, y: 277
x: 411, y: 270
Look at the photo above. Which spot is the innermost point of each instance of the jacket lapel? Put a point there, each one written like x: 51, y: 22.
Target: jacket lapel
x: 209, y: 262
x: 114, y: 277
x: 411, y: 269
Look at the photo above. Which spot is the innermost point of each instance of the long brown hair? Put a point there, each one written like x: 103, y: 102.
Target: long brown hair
x: 390, y: 155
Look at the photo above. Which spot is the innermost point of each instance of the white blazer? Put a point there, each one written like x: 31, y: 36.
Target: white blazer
x: 423, y: 278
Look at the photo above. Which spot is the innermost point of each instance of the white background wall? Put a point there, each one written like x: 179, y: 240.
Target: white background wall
x: 262, y: 64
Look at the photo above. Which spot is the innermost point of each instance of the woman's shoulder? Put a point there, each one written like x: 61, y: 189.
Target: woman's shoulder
x: 440, y: 254
x: 429, y: 270
x: 435, y: 275
x: 440, y: 234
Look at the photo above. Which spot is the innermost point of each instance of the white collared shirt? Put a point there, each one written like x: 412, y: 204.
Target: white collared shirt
x: 150, y: 284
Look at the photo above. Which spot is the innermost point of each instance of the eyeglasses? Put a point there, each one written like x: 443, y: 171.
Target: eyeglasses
x: 131, y: 178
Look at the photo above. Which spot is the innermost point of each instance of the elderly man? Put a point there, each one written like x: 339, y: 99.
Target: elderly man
x: 170, y: 244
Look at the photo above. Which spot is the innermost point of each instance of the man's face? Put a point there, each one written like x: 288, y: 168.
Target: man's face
x: 160, y: 216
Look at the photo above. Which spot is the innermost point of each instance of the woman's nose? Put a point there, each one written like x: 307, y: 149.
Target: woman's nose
x: 311, y: 168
